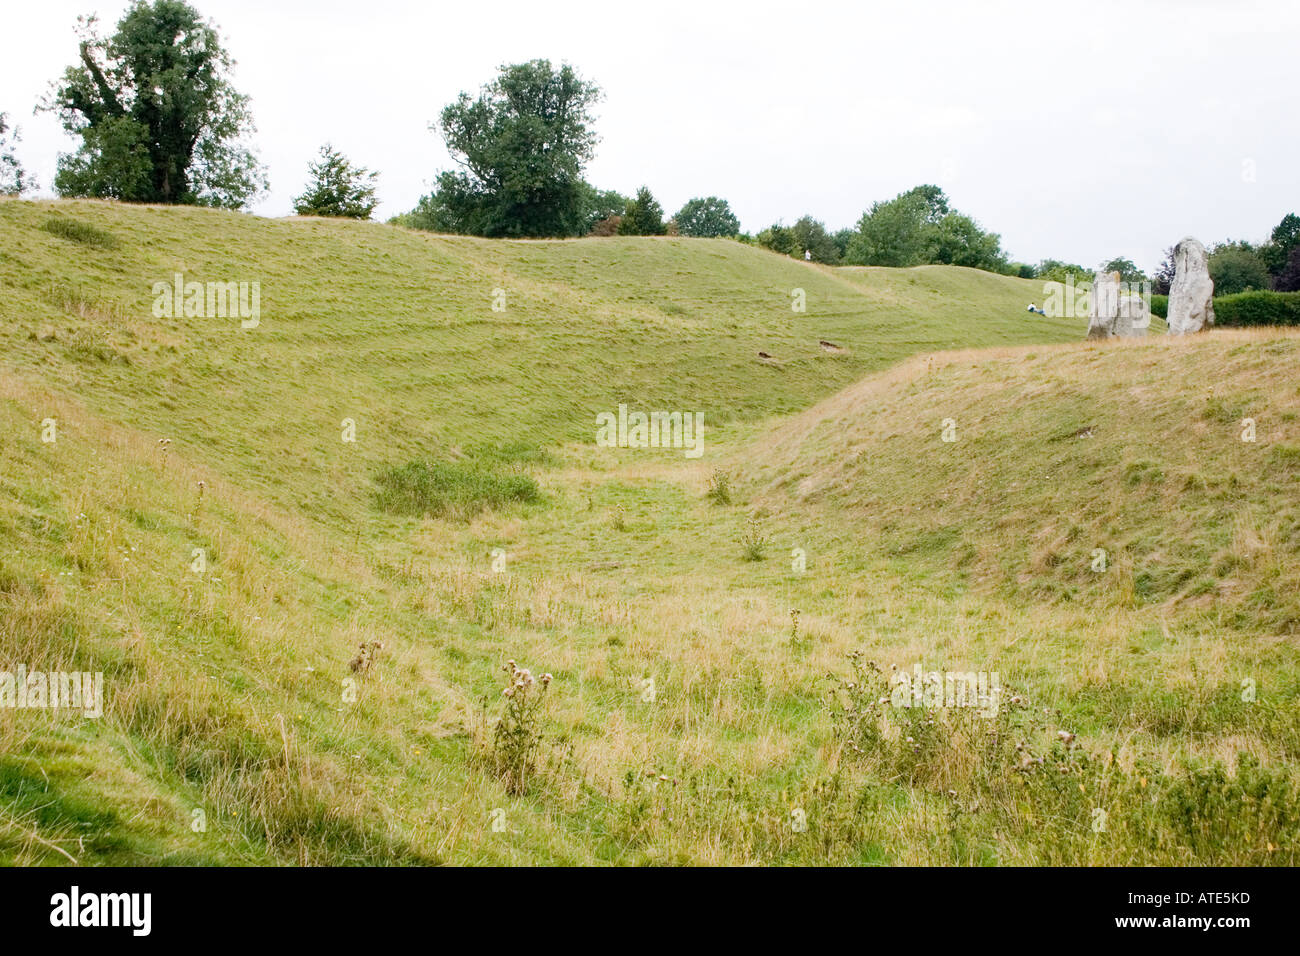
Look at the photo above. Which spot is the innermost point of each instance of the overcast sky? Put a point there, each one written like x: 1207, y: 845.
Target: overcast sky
x: 1078, y: 131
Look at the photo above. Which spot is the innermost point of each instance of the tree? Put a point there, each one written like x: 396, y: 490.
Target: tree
x: 919, y: 227
x: 1054, y: 270
x: 810, y: 236
x: 1237, y: 267
x: 600, y: 206
x: 807, y: 235
x: 959, y: 241
x: 522, y: 143
x: 1276, y: 253
x: 13, y: 178
x: 1127, y: 269
x: 158, y: 118
x: 643, y: 216
x: 779, y: 238
x: 841, y: 239
x: 707, y: 217
x: 1164, y: 274
x: 901, y: 231
x: 1289, y: 278
x: 337, y: 188
x: 433, y: 214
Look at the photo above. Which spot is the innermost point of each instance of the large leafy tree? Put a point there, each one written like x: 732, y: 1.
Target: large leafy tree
x: 13, y: 178
x: 643, y: 216
x: 1237, y: 267
x: 900, y: 231
x: 1127, y: 269
x: 707, y: 217
x: 919, y: 227
x: 337, y: 188
x: 522, y: 143
x: 959, y: 241
x: 158, y: 118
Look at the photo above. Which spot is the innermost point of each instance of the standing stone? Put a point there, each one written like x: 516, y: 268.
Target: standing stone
x: 1191, y: 295
x: 1134, y: 315
x: 1103, y: 305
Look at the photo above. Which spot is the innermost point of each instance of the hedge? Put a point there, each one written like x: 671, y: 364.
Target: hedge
x: 1258, y: 308
x: 1245, y: 308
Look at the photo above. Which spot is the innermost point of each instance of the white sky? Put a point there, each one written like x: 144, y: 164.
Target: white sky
x: 1079, y: 131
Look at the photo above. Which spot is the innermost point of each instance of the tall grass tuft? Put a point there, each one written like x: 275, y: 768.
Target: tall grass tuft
x: 76, y: 231
x: 454, y: 489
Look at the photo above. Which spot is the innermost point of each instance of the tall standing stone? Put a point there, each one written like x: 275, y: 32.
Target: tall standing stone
x: 1191, y: 295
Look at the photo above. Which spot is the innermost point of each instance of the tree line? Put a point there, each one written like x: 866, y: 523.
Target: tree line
x: 1235, y: 265
x: 160, y: 121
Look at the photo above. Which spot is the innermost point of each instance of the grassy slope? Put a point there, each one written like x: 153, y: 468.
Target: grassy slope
x: 1135, y: 448
x: 394, y: 329
x: 225, y: 689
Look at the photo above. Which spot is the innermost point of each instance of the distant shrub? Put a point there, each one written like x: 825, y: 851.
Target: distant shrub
x: 1258, y: 308
x: 606, y: 227
x: 458, y: 489
x: 1160, y: 306
x: 81, y: 232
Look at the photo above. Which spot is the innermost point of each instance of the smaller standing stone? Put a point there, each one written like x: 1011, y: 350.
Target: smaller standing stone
x: 1134, y: 315
x: 1103, y: 305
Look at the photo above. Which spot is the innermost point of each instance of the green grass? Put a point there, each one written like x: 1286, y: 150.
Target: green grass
x: 473, y: 520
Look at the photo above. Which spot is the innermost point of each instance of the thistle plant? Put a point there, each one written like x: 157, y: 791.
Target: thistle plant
x: 719, y: 488
x: 517, y: 736
x: 754, y: 543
